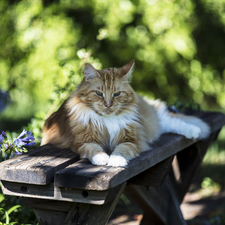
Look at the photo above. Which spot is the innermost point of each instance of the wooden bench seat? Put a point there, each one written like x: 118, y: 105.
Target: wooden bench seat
x: 62, y: 189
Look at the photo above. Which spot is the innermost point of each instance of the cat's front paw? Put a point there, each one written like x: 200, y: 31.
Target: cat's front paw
x: 117, y: 161
x: 192, y: 132
x: 100, y: 159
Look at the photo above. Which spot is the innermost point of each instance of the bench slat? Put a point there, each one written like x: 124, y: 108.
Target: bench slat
x: 83, y: 175
x: 52, y: 192
x: 38, y: 166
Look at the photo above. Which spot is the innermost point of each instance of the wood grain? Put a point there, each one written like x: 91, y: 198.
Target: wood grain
x: 50, y: 212
x: 159, y: 204
x: 83, y: 175
x: 153, y: 176
x: 52, y: 192
x: 37, y: 166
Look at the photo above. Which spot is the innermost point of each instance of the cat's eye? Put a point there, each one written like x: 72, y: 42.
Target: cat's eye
x: 98, y: 93
x: 116, y: 94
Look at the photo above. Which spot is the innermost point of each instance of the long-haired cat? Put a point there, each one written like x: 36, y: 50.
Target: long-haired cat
x: 105, y: 121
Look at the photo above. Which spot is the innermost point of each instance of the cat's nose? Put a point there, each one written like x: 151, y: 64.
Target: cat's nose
x: 108, y: 104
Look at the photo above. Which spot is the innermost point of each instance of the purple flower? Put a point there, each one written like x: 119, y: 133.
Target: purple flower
x: 19, y: 142
x: 1, y: 138
x: 22, y: 134
x: 30, y: 144
x: 24, y: 139
x: 18, y: 153
x: 29, y: 137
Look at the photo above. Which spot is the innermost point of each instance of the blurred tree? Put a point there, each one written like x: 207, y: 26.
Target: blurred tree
x: 178, y: 48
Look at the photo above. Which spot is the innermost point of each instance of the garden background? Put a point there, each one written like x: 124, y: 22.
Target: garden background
x: 178, y: 47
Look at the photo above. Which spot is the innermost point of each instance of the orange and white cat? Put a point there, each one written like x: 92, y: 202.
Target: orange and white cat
x: 105, y: 121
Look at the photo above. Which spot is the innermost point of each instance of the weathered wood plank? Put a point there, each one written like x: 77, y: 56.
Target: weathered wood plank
x: 50, y: 212
x: 189, y: 162
x: 52, y: 192
x: 153, y: 201
x: 38, y: 166
x: 93, y: 215
x: 159, y: 204
x: 153, y: 176
x: 83, y: 175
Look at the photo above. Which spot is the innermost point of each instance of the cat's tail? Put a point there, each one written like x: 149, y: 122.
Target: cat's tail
x: 189, y: 126
x: 204, y: 127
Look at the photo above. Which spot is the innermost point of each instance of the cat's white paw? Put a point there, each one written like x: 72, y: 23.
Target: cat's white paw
x: 192, y: 132
x: 117, y: 160
x: 100, y: 159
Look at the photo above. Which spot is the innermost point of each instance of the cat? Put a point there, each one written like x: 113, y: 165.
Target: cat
x: 105, y: 121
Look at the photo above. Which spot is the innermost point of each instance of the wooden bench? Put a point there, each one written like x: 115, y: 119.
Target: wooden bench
x: 64, y: 190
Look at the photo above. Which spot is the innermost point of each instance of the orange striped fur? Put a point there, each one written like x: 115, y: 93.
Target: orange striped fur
x: 105, y: 121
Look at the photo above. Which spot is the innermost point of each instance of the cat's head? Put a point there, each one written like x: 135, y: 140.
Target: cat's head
x: 108, y: 91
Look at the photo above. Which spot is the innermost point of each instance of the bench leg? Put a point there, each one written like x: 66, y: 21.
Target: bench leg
x: 160, y: 205
x: 50, y: 212
x: 189, y: 161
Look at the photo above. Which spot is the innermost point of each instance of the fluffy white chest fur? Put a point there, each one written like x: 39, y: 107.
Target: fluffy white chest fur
x: 111, y: 122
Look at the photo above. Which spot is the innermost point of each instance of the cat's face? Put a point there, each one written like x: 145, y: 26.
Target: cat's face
x: 108, y: 91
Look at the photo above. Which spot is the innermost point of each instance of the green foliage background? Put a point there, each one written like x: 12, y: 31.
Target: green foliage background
x: 178, y: 47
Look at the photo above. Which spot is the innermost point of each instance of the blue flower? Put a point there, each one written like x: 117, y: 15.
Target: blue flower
x: 22, y: 134
x: 1, y: 138
x: 18, y: 153
x: 19, y: 142
x: 30, y: 144
x: 17, y: 147
x: 30, y: 137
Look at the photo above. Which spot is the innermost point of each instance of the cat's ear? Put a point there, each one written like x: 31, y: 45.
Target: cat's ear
x: 126, y: 71
x: 90, y: 72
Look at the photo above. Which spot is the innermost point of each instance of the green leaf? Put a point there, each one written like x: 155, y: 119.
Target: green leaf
x: 2, y: 197
x: 13, y: 209
x: 6, y: 217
